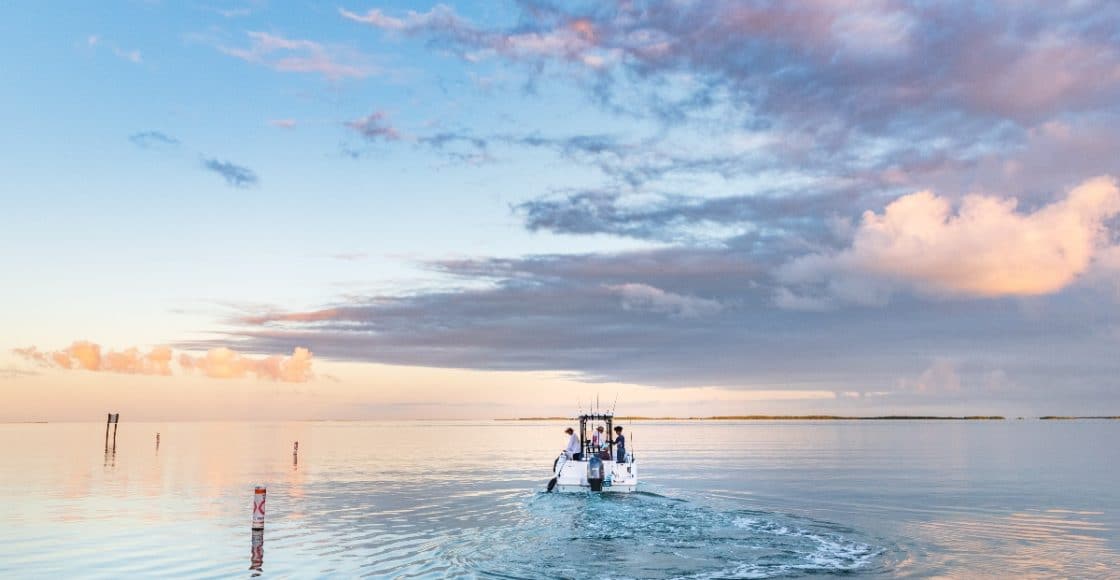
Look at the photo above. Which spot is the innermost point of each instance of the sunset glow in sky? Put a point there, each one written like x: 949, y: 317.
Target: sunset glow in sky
x: 398, y: 210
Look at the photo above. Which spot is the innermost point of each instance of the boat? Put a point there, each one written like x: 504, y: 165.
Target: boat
x: 595, y: 470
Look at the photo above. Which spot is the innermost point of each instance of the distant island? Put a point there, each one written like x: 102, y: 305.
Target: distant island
x: 1068, y: 418
x: 796, y: 418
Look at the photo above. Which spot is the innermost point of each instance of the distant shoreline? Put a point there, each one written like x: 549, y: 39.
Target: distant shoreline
x: 822, y: 418
x: 1069, y: 418
x: 633, y: 418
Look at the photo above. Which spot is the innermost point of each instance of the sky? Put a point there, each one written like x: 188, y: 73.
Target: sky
x: 357, y: 210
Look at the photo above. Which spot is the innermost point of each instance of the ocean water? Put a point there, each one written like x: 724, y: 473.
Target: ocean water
x: 719, y: 499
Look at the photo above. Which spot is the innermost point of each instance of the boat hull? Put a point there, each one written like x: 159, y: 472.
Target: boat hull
x: 571, y: 477
x: 587, y: 488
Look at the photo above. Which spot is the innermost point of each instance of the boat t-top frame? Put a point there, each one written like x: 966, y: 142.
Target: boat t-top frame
x: 584, y: 442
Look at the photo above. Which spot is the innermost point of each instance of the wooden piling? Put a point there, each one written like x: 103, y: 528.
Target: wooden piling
x: 112, y: 419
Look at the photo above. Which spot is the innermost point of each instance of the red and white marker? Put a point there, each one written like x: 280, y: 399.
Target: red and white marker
x: 258, y: 508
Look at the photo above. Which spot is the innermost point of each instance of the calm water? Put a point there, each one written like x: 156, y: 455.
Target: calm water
x: 462, y: 499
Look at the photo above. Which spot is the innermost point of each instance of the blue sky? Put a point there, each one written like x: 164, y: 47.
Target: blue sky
x: 155, y: 209
x: 891, y: 205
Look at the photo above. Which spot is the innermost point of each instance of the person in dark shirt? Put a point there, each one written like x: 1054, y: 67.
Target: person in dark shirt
x: 620, y: 445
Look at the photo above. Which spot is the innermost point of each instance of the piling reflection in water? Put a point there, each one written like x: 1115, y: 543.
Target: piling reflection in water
x: 256, y: 553
x: 111, y: 450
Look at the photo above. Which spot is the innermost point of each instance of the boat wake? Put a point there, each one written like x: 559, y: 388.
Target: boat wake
x: 645, y: 535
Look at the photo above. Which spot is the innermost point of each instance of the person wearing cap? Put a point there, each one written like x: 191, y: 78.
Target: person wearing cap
x: 598, y: 440
x: 573, y: 449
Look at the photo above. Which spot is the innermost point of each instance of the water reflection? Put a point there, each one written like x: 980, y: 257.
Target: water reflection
x: 1064, y: 543
x: 112, y: 420
x: 111, y: 448
x: 400, y: 499
x: 256, y: 553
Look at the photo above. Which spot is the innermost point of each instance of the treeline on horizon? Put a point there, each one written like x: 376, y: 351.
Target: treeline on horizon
x: 1067, y: 417
x: 821, y: 418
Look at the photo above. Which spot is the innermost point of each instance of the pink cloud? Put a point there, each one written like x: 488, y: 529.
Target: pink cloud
x: 302, y: 56
x: 983, y: 248
x: 225, y: 363
x: 216, y: 363
x: 1048, y: 74
x: 439, y: 17
x: 312, y: 316
x: 1024, y: 62
x: 84, y: 355
x: 375, y: 126
x: 572, y: 39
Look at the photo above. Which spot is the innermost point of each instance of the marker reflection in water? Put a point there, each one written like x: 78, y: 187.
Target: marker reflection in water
x: 256, y: 553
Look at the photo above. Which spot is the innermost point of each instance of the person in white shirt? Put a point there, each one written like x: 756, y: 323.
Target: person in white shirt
x: 598, y: 439
x: 573, y: 449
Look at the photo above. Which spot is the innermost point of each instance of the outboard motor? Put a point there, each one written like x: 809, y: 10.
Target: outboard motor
x: 595, y: 473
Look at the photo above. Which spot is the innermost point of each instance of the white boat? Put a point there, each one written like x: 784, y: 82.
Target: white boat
x: 597, y: 470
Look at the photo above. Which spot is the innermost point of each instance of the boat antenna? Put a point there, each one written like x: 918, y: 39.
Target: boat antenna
x: 615, y: 403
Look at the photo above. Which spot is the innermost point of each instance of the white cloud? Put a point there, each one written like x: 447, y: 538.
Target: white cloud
x: 642, y: 297
x: 940, y: 378
x: 302, y: 56
x: 983, y: 248
x: 132, y: 56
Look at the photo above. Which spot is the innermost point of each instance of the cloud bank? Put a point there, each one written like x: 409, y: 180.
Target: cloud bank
x: 218, y: 363
x: 839, y: 193
x: 849, y: 105
x: 83, y: 355
x: 863, y: 310
x: 869, y: 62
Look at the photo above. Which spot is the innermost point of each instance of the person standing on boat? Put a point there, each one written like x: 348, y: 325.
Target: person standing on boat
x: 598, y: 440
x: 620, y: 444
x: 573, y: 450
